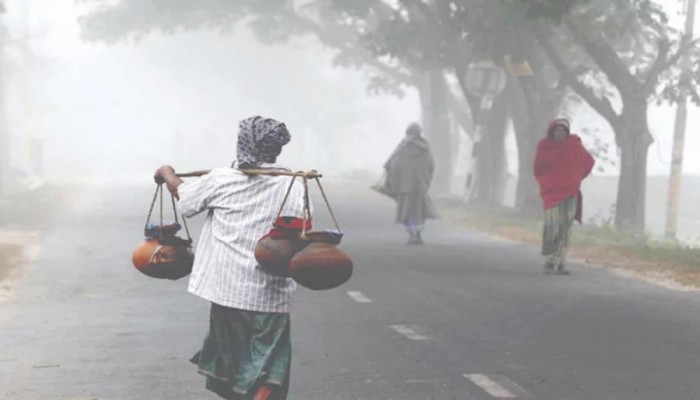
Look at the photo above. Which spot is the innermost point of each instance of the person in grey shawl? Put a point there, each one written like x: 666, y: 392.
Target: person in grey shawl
x: 409, y: 172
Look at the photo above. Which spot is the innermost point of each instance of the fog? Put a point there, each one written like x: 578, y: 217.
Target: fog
x: 464, y: 276
x: 117, y: 112
x: 108, y: 113
x: 118, y: 109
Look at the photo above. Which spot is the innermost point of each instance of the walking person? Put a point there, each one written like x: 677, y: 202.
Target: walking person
x: 246, y: 355
x: 561, y: 165
x: 409, y: 172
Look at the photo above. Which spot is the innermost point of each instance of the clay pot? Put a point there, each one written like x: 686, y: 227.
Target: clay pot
x: 274, y: 255
x: 321, y: 266
x: 164, y: 259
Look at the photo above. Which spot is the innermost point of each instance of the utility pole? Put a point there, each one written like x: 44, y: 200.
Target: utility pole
x: 674, y: 189
x: 4, y: 136
x: 25, y: 13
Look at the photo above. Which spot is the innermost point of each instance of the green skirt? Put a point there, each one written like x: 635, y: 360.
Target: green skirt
x: 243, y: 350
x: 558, y: 222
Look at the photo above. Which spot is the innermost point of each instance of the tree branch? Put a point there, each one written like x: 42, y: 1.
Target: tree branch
x: 601, y: 105
x: 605, y: 56
x: 383, y: 9
x: 664, y: 64
x: 659, y: 66
x: 330, y: 37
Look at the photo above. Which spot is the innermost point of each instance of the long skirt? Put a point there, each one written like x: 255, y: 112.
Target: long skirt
x: 243, y: 350
x: 556, y: 235
x: 412, y: 209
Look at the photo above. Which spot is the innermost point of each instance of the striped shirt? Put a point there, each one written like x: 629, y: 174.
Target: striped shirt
x: 240, y: 210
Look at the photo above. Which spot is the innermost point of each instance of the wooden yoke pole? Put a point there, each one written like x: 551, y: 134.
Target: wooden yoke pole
x: 268, y: 172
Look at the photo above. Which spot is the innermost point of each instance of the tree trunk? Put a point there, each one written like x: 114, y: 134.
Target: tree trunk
x: 528, y: 128
x: 491, y: 163
x: 461, y: 113
x: 634, y: 140
x: 436, y: 125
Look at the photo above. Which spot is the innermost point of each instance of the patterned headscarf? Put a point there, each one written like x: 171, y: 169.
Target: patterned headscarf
x: 260, y: 139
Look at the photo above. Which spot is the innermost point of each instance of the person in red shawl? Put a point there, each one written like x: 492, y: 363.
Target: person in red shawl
x: 561, y: 164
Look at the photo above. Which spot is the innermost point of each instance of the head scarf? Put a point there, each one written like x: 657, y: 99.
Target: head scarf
x: 563, y: 122
x: 414, y: 129
x: 260, y: 139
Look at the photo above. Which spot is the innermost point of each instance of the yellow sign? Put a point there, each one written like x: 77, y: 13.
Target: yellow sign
x: 518, y: 69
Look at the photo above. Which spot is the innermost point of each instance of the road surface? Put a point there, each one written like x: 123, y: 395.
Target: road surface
x: 464, y: 317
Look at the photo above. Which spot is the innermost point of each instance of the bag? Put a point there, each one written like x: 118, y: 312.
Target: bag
x: 382, y: 186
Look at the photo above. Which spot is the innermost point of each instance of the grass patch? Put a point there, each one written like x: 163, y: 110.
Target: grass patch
x: 500, y: 221
x: 10, y: 256
x: 596, y: 244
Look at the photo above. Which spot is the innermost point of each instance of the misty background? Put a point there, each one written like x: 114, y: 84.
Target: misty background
x: 113, y: 113
x: 118, y: 112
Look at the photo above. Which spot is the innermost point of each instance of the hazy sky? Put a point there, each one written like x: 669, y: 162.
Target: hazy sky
x: 184, y: 96
x: 178, y: 99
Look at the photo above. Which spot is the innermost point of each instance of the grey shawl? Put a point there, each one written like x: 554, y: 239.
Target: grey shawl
x: 410, y: 168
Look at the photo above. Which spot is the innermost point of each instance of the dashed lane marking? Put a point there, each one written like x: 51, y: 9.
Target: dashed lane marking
x: 498, y: 386
x: 409, y: 332
x: 359, y: 297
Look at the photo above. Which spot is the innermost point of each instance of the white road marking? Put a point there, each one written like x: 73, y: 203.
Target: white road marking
x: 408, y: 332
x: 359, y: 297
x: 497, y: 386
x: 433, y: 380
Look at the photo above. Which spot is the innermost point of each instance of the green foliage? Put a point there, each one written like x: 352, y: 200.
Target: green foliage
x: 553, y: 10
x: 336, y: 24
x: 129, y: 19
x: 599, y: 149
x: 608, y: 52
x: 418, y: 33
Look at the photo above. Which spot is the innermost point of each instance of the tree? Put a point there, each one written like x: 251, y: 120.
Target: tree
x: 537, y: 94
x: 501, y: 31
x: 432, y: 36
x: 631, y: 46
x: 628, y: 46
x: 450, y: 35
x: 336, y: 24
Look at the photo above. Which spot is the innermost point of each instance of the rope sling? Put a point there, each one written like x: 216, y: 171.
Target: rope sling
x: 315, y: 262
x: 311, y: 258
x: 159, y: 194
x: 163, y: 255
x: 304, y: 175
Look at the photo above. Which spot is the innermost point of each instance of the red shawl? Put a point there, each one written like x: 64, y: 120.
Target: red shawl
x: 560, y: 167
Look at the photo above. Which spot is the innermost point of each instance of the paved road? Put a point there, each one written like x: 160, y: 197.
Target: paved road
x: 464, y: 317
